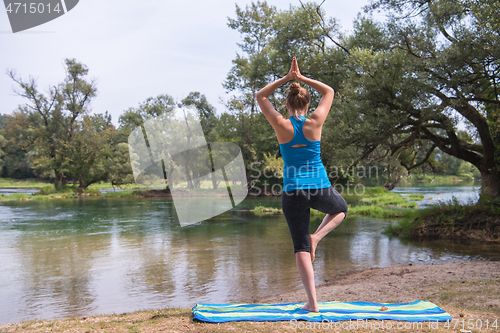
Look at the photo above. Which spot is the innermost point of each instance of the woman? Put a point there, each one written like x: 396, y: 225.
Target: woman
x: 306, y: 183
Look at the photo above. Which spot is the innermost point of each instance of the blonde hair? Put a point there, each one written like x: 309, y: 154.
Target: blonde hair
x: 297, y: 98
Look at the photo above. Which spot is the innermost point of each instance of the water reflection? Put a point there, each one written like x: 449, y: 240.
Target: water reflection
x: 464, y: 194
x: 82, y: 257
x: 60, y: 267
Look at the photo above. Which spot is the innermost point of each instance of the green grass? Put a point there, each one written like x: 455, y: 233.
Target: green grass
x: 441, y: 210
x: 385, y: 200
x: 264, y: 209
x: 379, y: 202
x: 47, y: 192
x: 106, y: 185
x: 402, y: 228
x: 377, y: 211
x: 416, y: 197
x: 15, y: 196
x: 24, y: 183
x: 125, y: 193
x: 382, y: 197
x: 10, y: 183
x: 376, y: 202
x: 41, y: 196
x: 449, y: 217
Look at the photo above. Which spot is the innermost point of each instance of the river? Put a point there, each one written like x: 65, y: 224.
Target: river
x: 62, y: 258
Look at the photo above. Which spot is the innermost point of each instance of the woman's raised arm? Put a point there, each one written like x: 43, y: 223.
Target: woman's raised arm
x: 273, y: 116
x: 319, y: 115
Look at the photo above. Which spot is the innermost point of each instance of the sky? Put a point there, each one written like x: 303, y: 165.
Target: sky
x: 137, y: 49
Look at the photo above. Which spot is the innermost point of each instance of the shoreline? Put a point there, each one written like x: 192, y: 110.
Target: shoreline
x: 396, y: 284
x: 466, y: 290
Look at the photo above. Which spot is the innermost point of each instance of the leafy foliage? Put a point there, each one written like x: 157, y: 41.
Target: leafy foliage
x: 403, y: 86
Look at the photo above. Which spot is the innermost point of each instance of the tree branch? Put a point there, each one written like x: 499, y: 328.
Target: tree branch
x: 442, y: 143
x: 322, y: 26
x: 424, y: 160
x: 446, y: 34
x: 363, y: 155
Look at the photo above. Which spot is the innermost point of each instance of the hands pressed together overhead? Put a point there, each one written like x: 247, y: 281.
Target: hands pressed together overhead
x: 294, y: 73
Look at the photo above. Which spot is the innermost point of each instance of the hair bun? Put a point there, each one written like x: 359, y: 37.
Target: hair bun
x: 294, y: 88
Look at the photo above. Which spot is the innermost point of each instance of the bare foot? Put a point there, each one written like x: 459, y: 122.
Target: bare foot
x: 314, y: 243
x: 310, y: 308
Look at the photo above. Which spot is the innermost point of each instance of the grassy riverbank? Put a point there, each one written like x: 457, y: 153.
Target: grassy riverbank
x: 11, y: 183
x: 376, y: 201
x: 21, y: 183
x: 372, y: 201
x: 69, y: 193
x: 469, y: 292
x: 379, y: 202
x: 479, y: 221
x: 46, y: 191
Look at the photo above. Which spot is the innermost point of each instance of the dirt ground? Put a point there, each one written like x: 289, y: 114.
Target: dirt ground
x: 468, y: 291
x: 397, y: 284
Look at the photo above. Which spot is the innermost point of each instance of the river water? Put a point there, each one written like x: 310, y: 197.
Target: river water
x: 62, y: 258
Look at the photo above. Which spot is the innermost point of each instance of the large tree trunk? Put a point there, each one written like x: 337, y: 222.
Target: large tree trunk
x: 490, y: 182
x: 393, y: 177
x: 59, y: 180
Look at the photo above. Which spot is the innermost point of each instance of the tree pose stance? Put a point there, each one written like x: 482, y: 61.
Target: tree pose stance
x: 305, y: 183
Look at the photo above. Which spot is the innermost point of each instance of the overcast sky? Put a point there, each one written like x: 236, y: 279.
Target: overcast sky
x: 137, y: 49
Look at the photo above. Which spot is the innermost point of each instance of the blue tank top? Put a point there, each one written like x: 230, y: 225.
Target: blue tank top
x: 303, y: 166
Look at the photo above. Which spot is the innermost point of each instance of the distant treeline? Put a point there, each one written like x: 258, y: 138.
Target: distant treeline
x: 403, y: 87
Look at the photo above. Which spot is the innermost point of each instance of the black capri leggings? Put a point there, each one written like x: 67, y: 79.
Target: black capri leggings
x: 297, y: 206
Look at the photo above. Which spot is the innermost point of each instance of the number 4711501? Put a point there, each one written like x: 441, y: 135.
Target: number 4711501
x: 32, y: 7
x: 471, y: 324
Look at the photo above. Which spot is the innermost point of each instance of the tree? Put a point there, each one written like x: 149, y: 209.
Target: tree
x: 3, y: 144
x: 4, y: 120
x: 206, y: 113
x: 53, y: 119
x: 208, y: 121
x: 15, y: 163
x: 178, y: 121
x: 120, y: 169
x: 438, y: 65
x: 251, y: 70
x: 270, y: 39
x: 151, y: 108
x: 403, y: 87
x: 88, y: 155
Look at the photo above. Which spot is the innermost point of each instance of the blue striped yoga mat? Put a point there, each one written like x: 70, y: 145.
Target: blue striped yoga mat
x: 328, y: 311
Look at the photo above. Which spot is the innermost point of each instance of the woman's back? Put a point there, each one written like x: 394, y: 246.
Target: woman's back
x: 285, y: 131
x: 303, y: 168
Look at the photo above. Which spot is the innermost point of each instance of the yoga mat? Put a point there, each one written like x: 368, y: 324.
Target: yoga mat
x: 328, y: 311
